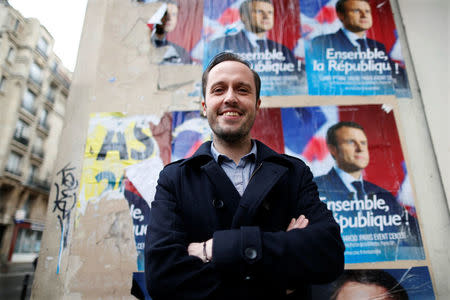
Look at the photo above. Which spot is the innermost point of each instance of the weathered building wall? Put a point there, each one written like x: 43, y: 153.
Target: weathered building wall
x: 88, y: 248
x: 31, y: 121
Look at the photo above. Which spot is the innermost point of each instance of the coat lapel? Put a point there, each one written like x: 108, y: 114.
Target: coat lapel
x: 337, y: 186
x: 223, y: 185
x: 263, y: 180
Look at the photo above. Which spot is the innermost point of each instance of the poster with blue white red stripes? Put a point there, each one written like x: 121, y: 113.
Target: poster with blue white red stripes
x: 265, y: 33
x: 352, y: 48
x: 344, y: 144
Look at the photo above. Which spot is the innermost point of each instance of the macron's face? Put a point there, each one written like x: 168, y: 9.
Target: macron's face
x: 261, y: 16
x: 357, y: 17
x: 230, y: 101
x: 352, y: 151
x: 171, y: 17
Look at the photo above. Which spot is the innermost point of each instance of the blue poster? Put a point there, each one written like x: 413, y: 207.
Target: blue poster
x: 356, y: 158
x: 352, y: 48
x: 265, y: 33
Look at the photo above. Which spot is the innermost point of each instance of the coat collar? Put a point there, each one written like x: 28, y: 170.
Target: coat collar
x: 203, y: 155
x: 270, y: 167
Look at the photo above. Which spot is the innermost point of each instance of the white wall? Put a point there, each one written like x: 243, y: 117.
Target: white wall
x: 425, y: 120
x: 427, y: 31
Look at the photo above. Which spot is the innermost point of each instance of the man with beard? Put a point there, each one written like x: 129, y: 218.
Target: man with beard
x: 238, y: 220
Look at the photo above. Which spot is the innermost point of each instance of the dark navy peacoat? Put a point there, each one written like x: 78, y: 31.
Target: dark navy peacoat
x: 253, y: 255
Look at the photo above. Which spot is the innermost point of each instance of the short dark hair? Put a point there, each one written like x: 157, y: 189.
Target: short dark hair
x: 331, y: 132
x: 228, y: 56
x: 244, y: 9
x: 374, y: 277
x: 340, y: 5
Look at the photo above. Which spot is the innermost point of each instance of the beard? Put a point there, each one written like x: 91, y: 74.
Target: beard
x: 232, y: 136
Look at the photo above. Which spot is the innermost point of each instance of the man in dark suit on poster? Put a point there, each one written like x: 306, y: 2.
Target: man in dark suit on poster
x: 361, y: 207
x: 356, y: 19
x: 267, y: 57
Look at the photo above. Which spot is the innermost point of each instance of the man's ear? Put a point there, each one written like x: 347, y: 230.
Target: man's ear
x: 333, y: 150
x: 258, y: 103
x: 341, y: 17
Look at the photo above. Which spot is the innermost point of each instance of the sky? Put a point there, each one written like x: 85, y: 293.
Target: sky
x: 63, y: 19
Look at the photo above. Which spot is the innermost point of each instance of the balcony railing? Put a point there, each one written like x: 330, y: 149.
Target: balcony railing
x: 51, y: 97
x: 13, y: 171
x: 35, y: 81
x: 42, y: 184
x: 44, y: 126
x: 60, y: 78
x: 37, y: 152
x: 31, y: 110
x: 41, y: 52
x: 22, y: 140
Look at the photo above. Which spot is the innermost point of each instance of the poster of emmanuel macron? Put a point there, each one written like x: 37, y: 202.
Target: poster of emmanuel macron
x: 352, y: 48
x: 264, y: 32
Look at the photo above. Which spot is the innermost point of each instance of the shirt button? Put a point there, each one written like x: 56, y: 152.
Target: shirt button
x: 217, y: 203
x: 250, y: 253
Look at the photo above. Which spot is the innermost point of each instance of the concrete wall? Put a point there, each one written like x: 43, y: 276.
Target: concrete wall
x: 426, y: 124
x: 429, y: 47
x: 116, y: 72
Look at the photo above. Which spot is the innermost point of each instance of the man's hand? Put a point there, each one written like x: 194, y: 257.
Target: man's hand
x: 299, y: 223
x: 196, y: 249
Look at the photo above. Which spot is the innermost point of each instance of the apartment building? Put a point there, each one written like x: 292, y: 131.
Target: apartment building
x: 34, y: 87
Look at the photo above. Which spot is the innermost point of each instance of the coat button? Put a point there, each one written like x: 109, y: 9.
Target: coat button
x: 250, y: 253
x: 217, y: 203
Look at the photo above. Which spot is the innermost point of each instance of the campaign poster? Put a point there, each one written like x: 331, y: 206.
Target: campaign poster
x: 175, y: 30
x: 357, y: 161
x: 265, y: 33
x: 352, y: 48
x: 122, y: 160
x: 399, y: 284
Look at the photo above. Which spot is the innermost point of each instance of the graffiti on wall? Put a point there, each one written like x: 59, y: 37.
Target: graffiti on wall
x: 66, y: 187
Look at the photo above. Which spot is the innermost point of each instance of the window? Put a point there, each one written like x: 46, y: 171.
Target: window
x: 2, y: 84
x: 16, y: 25
x: 38, y: 146
x: 32, y: 176
x: 22, y: 131
x: 42, y: 46
x: 55, y: 67
x: 36, y: 73
x: 14, y: 163
x: 11, y: 55
x: 28, y: 101
x: 51, y: 94
x: 43, y: 119
x: 28, y: 241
